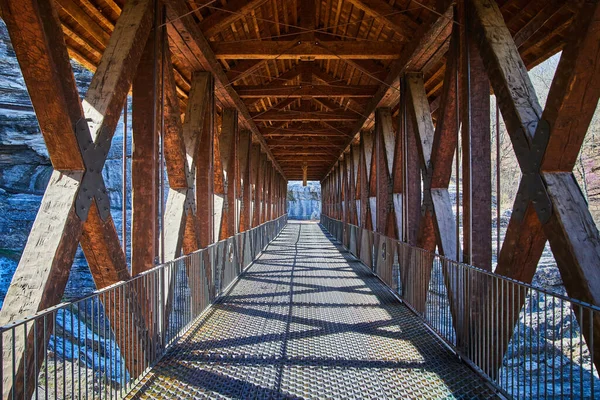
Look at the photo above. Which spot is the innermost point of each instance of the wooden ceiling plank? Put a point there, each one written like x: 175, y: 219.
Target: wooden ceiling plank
x: 382, y: 11
x: 228, y: 15
x: 83, y: 19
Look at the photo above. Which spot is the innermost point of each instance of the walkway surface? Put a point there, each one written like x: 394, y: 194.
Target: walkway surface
x: 309, y: 321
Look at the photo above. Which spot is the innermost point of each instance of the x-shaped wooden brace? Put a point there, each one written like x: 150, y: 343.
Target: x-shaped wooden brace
x: 69, y: 128
x: 92, y: 187
x: 436, y: 147
x: 546, y: 161
x: 181, y: 147
x: 532, y: 188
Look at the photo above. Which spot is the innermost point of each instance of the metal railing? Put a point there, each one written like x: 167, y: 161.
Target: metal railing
x: 98, y: 347
x: 529, y: 342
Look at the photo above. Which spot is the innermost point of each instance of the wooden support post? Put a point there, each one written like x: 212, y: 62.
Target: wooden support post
x: 244, y: 155
x: 205, y: 170
x: 39, y: 44
x: 548, y: 188
x: 343, y: 189
x: 227, y: 150
x: 144, y: 158
x: 385, y: 143
x: 412, y: 184
x: 255, y: 160
x: 368, y: 150
x: 476, y: 154
x: 354, y: 182
x: 271, y: 191
x: 262, y: 193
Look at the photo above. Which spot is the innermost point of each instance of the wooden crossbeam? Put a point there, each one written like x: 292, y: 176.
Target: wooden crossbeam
x: 300, y: 91
x: 287, y: 143
x: 306, y: 50
x: 39, y: 44
x: 275, y: 115
x: 275, y: 83
x: 244, y: 69
x: 561, y: 211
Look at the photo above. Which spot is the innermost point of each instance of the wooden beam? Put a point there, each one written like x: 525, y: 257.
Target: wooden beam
x: 243, y: 69
x: 205, y: 170
x: 255, y: 184
x: 292, y: 115
x: 300, y: 91
x: 144, y: 159
x: 476, y: 156
x: 244, y: 154
x: 175, y: 150
x: 49, y: 81
x: 309, y: 50
x: 385, y: 144
x: 228, y: 151
x: 275, y: 83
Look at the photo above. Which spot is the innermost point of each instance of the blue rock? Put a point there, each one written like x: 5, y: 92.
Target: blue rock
x: 304, y: 202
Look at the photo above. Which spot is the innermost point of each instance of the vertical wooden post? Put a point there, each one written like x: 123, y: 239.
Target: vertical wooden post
x: 205, y: 174
x: 244, y: 180
x: 385, y: 140
x: 476, y: 152
x: 412, y: 188
x: 144, y: 158
x: 366, y: 145
x: 227, y: 150
x: 256, y: 178
x: 264, y: 179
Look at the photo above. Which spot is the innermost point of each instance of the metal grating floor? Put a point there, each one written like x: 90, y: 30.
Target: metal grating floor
x: 307, y: 321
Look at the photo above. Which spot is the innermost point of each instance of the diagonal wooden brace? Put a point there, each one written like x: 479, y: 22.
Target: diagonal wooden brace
x: 94, y: 156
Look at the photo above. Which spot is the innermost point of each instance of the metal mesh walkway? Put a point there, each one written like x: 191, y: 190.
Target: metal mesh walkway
x: 308, y: 321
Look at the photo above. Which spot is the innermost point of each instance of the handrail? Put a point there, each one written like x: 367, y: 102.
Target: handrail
x: 102, y: 344
x: 528, y: 341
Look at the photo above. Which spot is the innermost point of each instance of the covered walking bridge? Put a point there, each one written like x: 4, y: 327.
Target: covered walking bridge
x: 209, y: 291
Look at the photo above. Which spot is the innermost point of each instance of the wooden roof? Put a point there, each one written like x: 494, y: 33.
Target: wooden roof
x: 310, y: 76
